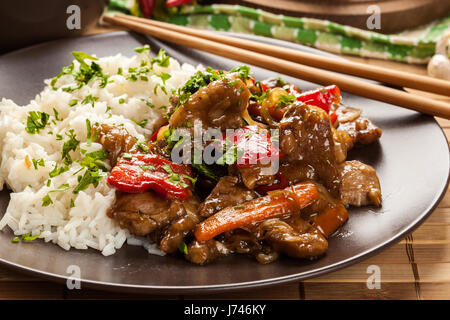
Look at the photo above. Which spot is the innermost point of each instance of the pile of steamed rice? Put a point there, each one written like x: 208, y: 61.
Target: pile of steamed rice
x: 84, y: 224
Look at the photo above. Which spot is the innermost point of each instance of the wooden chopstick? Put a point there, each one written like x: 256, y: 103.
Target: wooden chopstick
x: 399, y: 78
x: 322, y: 77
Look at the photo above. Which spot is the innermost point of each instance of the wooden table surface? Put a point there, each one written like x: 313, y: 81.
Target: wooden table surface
x: 417, y: 267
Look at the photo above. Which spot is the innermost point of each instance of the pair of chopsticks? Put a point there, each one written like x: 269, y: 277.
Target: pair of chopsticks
x: 310, y: 67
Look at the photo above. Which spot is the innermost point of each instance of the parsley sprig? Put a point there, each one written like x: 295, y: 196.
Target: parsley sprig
x: 84, y: 74
x: 36, y: 121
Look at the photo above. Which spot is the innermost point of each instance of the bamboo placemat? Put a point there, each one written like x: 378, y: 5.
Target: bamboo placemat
x: 417, y: 267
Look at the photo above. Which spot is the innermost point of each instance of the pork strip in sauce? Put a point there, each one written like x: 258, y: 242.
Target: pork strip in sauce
x: 228, y: 192
x: 144, y: 213
x: 306, y: 140
x: 115, y: 140
x: 360, y: 129
x: 218, y: 105
x: 359, y: 184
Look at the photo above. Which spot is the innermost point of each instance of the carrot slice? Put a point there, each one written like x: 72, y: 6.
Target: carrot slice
x: 330, y: 219
x: 275, y: 204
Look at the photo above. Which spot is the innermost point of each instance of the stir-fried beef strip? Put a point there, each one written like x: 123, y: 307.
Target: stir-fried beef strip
x: 227, y: 192
x: 360, y: 129
x: 324, y: 201
x: 256, y: 175
x: 343, y: 142
x: 115, y: 140
x: 347, y: 114
x: 360, y: 185
x: 144, y: 213
x: 181, y: 227
x: 205, y: 252
x: 295, y: 237
x: 218, y: 105
x: 306, y: 140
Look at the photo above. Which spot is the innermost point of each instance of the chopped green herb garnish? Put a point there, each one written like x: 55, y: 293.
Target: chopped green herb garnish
x: 134, y: 73
x: 15, y: 240
x: 142, y: 49
x: 143, y: 146
x: 84, y: 74
x: 36, y: 121
x: 141, y: 123
x: 161, y: 59
x: 89, y: 177
x: 72, y: 203
x: 183, y: 248
x: 193, y: 180
x: 89, y: 99
x: 260, y: 98
x: 37, y: 162
x: 94, y: 160
x: 73, y: 102
x: 29, y: 237
x: 242, y: 71
x: 88, y: 134
x: 121, y: 100
x: 164, y: 77
x: 57, y: 171
x: 69, y: 145
x: 62, y: 187
x: 286, y: 100
x: 46, y: 201
x: 174, y: 177
x: 163, y: 89
x: 56, y: 114
x: 148, y: 103
x: 146, y: 168
x: 127, y: 156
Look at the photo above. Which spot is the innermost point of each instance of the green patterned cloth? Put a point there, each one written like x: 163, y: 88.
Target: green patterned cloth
x: 411, y: 46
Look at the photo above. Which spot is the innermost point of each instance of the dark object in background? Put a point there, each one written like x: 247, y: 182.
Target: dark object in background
x: 26, y: 22
x: 396, y: 15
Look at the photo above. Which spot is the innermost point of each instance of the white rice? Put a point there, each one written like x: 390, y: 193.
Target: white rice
x: 86, y: 224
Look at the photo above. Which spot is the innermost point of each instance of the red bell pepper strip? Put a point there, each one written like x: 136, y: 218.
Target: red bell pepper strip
x: 333, y: 117
x: 147, y: 7
x: 252, y: 144
x: 176, y: 3
x: 280, y: 184
x: 322, y: 97
x: 154, y: 135
x: 264, y: 88
x: 139, y: 172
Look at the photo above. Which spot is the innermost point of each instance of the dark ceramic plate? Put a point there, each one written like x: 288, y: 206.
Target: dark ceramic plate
x: 412, y: 161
